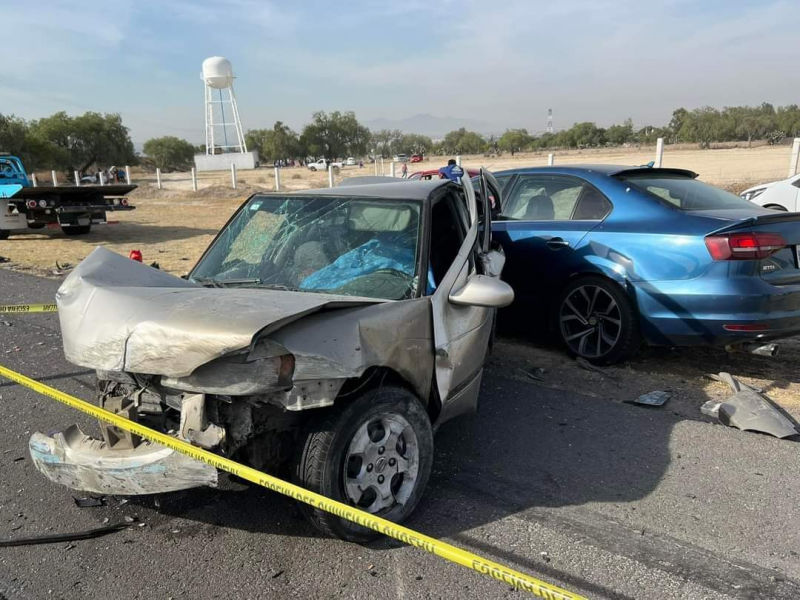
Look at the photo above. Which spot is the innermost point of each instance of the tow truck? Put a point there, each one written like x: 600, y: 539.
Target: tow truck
x: 75, y: 208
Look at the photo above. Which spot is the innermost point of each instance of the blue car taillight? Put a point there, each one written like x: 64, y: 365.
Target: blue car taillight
x: 744, y: 246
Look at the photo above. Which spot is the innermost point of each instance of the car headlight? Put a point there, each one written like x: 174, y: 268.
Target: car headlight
x: 749, y: 196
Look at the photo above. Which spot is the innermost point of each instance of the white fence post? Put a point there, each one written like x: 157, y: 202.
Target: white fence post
x: 277, y: 179
x: 55, y: 178
x: 659, y: 153
x: 458, y: 160
x: 375, y: 156
x: 550, y: 159
x: 127, y: 174
x: 391, y: 170
x: 330, y: 175
x: 194, y: 179
x: 795, y: 157
x: 77, y: 178
x: 233, y: 175
x: 33, y: 180
x: 382, y: 171
x: 101, y: 176
x: 158, y: 178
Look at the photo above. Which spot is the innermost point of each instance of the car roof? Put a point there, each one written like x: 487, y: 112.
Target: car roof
x: 401, y: 190
x: 609, y: 170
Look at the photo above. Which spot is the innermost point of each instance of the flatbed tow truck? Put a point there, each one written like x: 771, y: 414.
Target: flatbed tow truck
x: 75, y: 208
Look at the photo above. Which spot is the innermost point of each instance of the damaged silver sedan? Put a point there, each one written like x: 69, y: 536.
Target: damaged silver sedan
x: 324, y: 332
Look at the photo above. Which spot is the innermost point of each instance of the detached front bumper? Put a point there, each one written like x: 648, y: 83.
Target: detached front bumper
x: 80, y: 462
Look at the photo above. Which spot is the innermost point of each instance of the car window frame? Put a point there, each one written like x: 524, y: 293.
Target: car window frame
x: 511, y: 187
x: 588, y: 185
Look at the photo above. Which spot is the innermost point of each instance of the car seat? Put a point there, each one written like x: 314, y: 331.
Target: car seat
x: 540, y: 208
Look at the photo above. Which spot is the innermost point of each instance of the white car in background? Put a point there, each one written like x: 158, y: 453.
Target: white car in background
x: 778, y: 195
x: 350, y: 162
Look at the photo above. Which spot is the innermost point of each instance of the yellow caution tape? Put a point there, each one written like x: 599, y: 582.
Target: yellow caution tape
x: 515, y: 579
x: 27, y: 308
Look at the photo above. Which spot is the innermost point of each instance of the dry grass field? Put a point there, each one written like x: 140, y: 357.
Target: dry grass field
x: 173, y: 226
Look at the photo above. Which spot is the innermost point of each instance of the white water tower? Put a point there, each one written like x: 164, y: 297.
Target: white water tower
x: 223, y: 125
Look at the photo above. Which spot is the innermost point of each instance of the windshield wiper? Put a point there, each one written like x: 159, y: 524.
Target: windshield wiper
x: 223, y: 282
x: 278, y: 286
x: 243, y: 281
x: 207, y: 281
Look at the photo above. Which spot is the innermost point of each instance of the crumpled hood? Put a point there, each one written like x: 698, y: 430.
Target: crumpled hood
x: 120, y: 315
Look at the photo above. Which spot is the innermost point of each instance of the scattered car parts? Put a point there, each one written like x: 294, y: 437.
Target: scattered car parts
x: 749, y: 410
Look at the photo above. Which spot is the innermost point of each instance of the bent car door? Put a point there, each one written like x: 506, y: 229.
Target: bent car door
x: 461, y: 333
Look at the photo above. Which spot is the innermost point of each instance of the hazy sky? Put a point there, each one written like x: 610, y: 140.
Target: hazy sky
x: 502, y: 62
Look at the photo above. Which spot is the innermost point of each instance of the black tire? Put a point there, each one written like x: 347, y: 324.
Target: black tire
x: 312, y: 168
x: 36, y: 225
x: 325, y: 460
x: 4, y: 233
x: 76, y: 229
x: 596, y: 320
x: 776, y: 207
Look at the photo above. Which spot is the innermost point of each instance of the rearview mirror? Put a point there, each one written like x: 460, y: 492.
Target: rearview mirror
x: 482, y: 290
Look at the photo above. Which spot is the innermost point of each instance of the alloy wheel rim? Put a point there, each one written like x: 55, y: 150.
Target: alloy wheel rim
x: 382, y: 464
x: 590, y: 321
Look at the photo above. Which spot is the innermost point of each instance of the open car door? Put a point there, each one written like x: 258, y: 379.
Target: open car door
x: 463, y: 321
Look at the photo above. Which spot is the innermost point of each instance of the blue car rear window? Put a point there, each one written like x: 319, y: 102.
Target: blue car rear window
x: 684, y: 192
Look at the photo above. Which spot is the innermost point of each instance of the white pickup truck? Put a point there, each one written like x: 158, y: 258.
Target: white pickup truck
x: 322, y: 165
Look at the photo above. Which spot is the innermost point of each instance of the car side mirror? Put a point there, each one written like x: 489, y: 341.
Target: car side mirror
x: 482, y: 290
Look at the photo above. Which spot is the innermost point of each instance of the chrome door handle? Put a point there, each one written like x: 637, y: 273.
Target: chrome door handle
x: 556, y: 243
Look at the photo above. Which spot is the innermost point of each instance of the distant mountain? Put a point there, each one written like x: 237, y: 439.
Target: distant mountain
x: 431, y: 125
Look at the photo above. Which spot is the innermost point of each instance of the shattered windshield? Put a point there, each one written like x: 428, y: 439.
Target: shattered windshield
x: 341, y: 245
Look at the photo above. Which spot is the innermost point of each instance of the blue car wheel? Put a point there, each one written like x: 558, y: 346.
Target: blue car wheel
x: 597, y: 321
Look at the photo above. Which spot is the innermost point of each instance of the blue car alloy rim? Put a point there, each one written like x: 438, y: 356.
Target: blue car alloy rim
x: 590, y: 321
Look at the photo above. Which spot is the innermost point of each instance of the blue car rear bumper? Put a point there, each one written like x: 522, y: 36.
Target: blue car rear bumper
x: 683, y: 313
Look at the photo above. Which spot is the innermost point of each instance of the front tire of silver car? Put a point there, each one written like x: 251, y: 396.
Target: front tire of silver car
x: 597, y: 321
x: 376, y: 454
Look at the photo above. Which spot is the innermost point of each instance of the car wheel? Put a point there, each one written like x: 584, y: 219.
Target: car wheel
x: 4, y: 233
x: 597, y: 321
x: 375, y: 454
x: 71, y: 230
x: 313, y: 168
x: 776, y: 207
x: 36, y: 225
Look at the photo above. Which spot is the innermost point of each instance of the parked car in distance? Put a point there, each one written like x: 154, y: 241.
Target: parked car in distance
x: 777, y: 195
x: 435, y: 174
x: 322, y: 164
x: 415, y: 158
x: 613, y: 256
x: 326, y: 331
x: 400, y: 158
x: 350, y: 162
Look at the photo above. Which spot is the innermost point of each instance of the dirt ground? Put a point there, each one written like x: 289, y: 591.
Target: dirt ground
x: 173, y: 226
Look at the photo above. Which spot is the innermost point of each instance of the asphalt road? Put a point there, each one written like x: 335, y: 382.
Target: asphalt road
x: 607, y: 499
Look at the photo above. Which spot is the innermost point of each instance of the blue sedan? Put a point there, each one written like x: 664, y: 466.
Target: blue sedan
x: 616, y: 256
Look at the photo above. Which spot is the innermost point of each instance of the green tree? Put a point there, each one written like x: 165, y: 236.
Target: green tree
x: 414, y: 143
x: 78, y: 142
x: 169, y: 153
x: 385, y: 141
x: 616, y: 135
x: 514, y: 140
x: 277, y: 143
x: 461, y: 141
x: 335, y: 135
